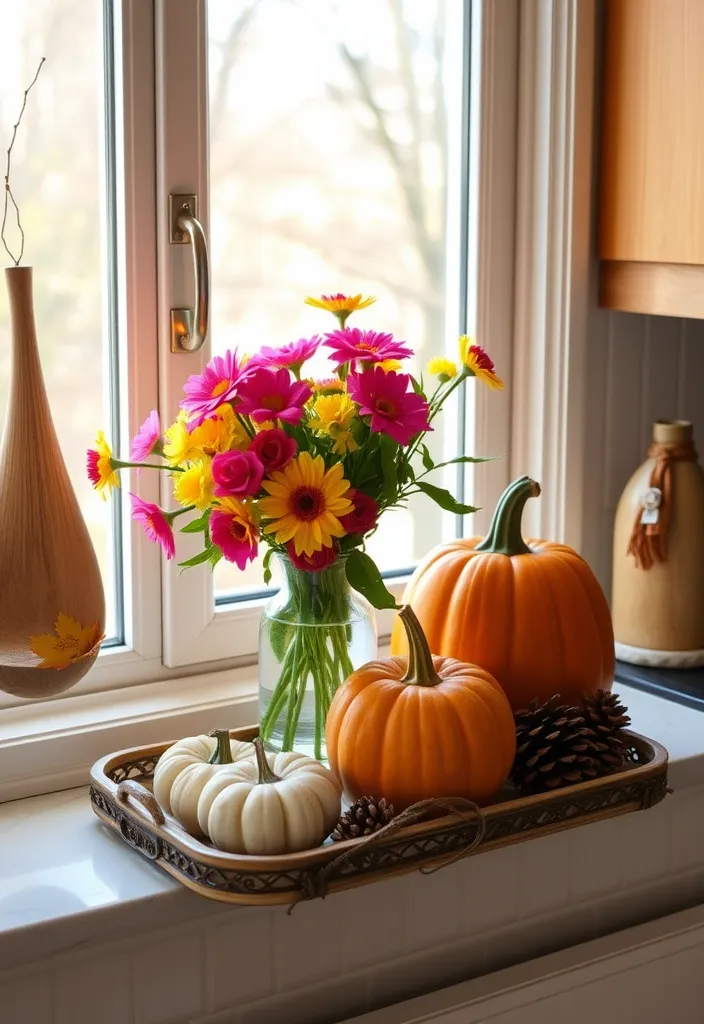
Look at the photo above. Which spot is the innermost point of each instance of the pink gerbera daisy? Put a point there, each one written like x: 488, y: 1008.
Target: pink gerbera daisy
x: 272, y: 395
x: 394, y: 410
x: 147, y: 438
x: 154, y: 523
x: 217, y: 384
x: 234, y: 531
x: 292, y: 355
x: 351, y: 344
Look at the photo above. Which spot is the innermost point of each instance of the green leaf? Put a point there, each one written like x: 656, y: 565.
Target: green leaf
x: 405, y: 472
x: 389, y: 469
x: 427, y: 458
x: 267, y: 567
x: 215, y: 554
x: 199, y: 525
x: 461, y: 459
x: 364, y: 576
x: 444, y: 499
x: 418, y: 385
x: 202, y: 556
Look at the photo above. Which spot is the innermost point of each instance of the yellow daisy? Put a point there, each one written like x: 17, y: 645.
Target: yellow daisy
x: 99, y: 466
x: 341, y: 305
x: 178, y: 444
x: 219, y: 433
x: 478, y: 363
x: 333, y: 385
x: 69, y: 643
x: 441, y: 367
x: 388, y: 365
x: 333, y: 415
x: 305, y: 502
x: 195, y: 485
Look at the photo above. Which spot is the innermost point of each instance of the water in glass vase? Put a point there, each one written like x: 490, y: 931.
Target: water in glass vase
x: 314, y: 632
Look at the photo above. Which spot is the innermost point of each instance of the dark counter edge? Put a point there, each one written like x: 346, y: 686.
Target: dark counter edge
x: 682, y: 685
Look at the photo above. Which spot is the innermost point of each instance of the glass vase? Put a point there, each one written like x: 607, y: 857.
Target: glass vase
x: 314, y: 632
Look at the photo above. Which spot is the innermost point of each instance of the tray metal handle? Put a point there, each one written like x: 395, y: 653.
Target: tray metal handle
x: 129, y: 788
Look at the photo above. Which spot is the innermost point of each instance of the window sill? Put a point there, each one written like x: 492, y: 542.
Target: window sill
x: 58, y: 862
x: 50, y: 745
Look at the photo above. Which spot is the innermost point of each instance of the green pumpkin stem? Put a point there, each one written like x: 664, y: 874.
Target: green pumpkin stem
x: 265, y: 772
x: 420, y: 671
x: 505, y: 535
x: 223, y: 751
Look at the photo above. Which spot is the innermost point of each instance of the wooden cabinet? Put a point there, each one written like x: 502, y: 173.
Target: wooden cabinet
x: 651, y: 230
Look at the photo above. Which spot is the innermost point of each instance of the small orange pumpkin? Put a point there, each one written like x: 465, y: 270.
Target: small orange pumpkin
x: 423, y: 727
x: 532, y: 613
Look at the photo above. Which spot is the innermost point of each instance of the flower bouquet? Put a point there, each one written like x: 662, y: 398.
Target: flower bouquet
x: 261, y: 454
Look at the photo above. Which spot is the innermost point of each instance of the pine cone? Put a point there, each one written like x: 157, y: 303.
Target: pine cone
x: 606, y: 719
x: 553, y: 747
x: 365, y: 816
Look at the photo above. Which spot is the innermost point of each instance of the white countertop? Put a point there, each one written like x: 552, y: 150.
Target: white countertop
x: 57, y: 861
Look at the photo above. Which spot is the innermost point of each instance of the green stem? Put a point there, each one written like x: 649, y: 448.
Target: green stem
x: 505, y: 536
x: 177, y: 512
x: 266, y: 775
x: 119, y: 464
x: 223, y: 751
x: 246, y: 426
x: 433, y: 411
x: 421, y: 670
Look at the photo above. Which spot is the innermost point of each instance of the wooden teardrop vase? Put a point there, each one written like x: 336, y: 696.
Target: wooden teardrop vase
x: 48, y: 566
x: 658, y: 572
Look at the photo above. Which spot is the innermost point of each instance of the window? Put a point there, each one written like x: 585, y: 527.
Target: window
x: 334, y: 170
x: 74, y: 282
x: 331, y: 144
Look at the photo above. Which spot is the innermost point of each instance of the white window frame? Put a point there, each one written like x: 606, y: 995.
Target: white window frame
x: 143, y: 693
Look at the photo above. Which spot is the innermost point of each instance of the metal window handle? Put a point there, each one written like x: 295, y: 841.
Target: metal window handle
x: 189, y: 327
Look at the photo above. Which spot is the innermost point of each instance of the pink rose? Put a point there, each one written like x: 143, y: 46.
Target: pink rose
x: 237, y: 473
x: 311, y: 563
x: 274, y: 448
x: 364, y: 514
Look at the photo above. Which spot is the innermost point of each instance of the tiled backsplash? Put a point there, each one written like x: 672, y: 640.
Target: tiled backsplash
x: 377, y: 944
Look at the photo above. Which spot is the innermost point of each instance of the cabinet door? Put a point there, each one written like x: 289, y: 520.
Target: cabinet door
x: 652, y: 175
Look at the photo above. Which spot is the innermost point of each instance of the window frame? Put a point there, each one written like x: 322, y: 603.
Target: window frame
x: 154, y: 690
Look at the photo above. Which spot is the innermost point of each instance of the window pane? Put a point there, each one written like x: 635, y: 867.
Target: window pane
x: 58, y: 177
x: 329, y: 124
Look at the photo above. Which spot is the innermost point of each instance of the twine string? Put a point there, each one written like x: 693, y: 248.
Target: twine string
x: 315, y: 883
x: 648, y: 541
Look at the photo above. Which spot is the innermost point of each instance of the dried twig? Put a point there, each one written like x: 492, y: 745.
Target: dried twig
x: 9, y: 197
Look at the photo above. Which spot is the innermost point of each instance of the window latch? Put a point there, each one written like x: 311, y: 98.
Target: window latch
x: 189, y: 327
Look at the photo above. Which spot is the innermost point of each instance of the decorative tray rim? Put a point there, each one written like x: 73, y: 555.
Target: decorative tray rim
x: 281, y: 879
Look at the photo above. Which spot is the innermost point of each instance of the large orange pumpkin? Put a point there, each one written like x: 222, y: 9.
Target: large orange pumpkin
x: 531, y: 613
x: 422, y: 727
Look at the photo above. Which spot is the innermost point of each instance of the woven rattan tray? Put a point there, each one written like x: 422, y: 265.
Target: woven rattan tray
x: 121, y: 797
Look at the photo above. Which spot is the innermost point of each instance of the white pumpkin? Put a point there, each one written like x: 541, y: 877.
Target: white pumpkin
x: 277, y: 804
x: 185, y: 768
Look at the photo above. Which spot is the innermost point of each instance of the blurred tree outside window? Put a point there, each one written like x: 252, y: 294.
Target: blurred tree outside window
x: 329, y: 126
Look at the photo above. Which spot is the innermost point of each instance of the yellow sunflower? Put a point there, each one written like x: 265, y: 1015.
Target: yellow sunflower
x: 195, y: 485
x: 99, y: 465
x: 479, y: 363
x: 305, y: 502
